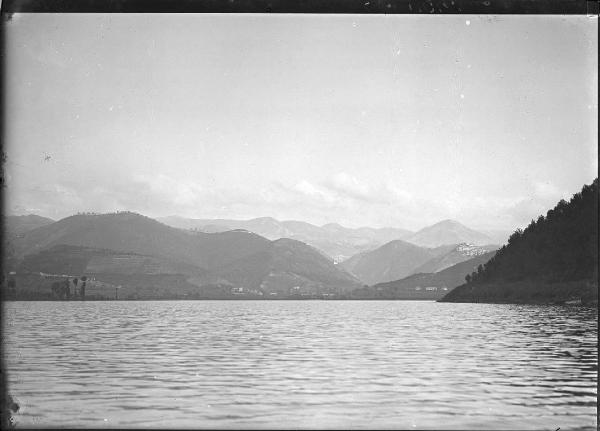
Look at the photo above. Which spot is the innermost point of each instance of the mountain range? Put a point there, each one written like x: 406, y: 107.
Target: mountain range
x: 263, y: 256
x: 339, y: 242
x: 554, y: 259
x: 120, y: 244
x: 334, y: 240
x: 398, y: 259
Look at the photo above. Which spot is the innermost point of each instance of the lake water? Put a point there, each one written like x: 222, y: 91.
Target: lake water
x: 301, y: 364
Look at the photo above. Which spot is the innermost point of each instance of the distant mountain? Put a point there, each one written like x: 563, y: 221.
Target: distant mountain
x: 424, y: 285
x: 555, y: 259
x: 20, y: 224
x: 448, y: 232
x: 398, y: 259
x: 460, y: 253
x: 392, y: 261
x: 131, y: 250
x: 334, y: 240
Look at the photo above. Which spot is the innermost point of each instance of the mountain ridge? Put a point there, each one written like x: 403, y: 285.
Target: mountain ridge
x: 448, y: 232
x: 16, y: 225
x: 335, y: 240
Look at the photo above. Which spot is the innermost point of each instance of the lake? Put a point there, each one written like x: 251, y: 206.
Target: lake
x: 301, y: 364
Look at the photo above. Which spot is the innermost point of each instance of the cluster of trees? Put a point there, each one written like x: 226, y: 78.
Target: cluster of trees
x: 562, y: 246
x: 95, y: 213
x: 62, y: 290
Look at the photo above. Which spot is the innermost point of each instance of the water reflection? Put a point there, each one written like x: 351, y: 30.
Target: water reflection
x: 305, y: 364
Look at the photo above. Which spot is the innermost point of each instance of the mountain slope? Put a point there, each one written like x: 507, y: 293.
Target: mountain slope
x: 553, y: 259
x: 392, y: 261
x: 460, y: 253
x: 76, y: 261
x: 289, y: 267
x: 17, y: 225
x: 424, y: 285
x: 448, y: 232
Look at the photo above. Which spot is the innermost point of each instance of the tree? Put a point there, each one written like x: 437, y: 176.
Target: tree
x: 75, y: 283
x: 83, y: 280
x: 56, y: 290
x: 12, y: 288
x: 563, y: 246
x: 67, y: 289
x: 468, y: 278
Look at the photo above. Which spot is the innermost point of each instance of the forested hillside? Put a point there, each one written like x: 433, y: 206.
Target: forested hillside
x: 554, y: 259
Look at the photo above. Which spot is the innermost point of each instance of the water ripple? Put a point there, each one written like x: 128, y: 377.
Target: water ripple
x: 301, y: 364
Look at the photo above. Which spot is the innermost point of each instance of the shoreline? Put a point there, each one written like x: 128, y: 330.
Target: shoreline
x: 591, y: 304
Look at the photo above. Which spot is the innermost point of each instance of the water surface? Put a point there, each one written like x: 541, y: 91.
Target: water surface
x: 301, y: 364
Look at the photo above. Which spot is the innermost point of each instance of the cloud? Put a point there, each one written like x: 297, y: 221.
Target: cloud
x: 306, y: 188
x: 180, y: 193
x: 349, y: 186
x: 398, y: 194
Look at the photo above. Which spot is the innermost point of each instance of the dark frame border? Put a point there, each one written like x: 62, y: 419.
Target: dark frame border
x: 561, y: 7
x: 486, y: 7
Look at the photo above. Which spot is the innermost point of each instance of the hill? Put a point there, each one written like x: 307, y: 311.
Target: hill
x: 75, y: 261
x: 448, y: 232
x: 336, y: 241
x: 17, y: 225
x: 555, y: 259
x: 289, y: 267
x: 424, y: 285
x: 134, y: 233
x: 392, y: 261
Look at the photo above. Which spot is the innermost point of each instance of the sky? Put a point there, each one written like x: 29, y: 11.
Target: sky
x: 362, y: 120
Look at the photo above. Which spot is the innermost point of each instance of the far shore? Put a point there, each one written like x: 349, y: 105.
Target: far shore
x: 590, y: 304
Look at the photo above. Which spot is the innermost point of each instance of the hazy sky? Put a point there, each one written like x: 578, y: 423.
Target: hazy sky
x: 362, y: 120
